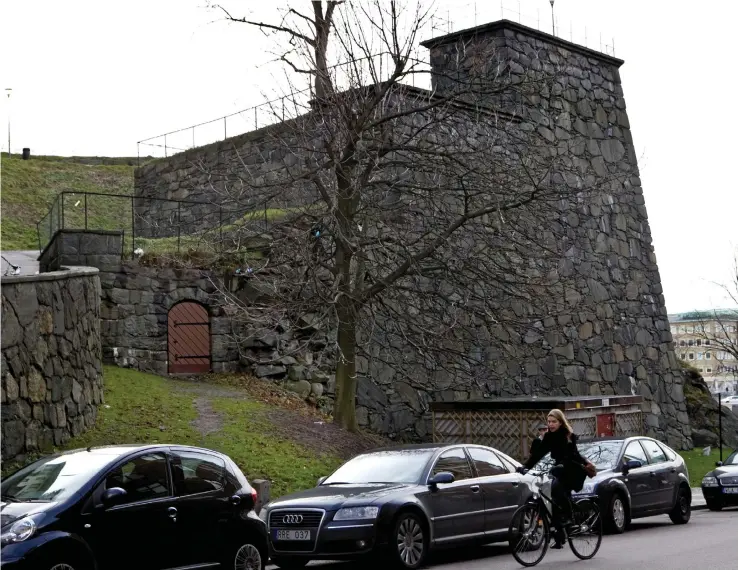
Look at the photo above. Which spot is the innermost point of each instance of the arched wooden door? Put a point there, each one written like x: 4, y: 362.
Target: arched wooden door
x: 189, y: 339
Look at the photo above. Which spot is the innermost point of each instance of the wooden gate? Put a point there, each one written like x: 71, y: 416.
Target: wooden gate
x: 189, y: 339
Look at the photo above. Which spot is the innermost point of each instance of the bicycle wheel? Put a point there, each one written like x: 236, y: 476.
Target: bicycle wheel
x: 585, y: 536
x: 529, y: 534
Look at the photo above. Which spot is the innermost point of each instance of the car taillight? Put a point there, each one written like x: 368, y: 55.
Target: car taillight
x: 254, y: 496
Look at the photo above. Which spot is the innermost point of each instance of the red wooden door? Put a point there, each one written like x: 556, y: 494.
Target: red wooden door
x: 605, y: 425
x: 189, y: 339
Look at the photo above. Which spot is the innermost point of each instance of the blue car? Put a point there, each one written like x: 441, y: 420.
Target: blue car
x: 144, y: 506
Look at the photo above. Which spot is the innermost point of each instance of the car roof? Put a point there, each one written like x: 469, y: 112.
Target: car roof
x: 411, y: 447
x: 116, y: 451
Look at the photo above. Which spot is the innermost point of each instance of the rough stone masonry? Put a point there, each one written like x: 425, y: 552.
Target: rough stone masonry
x: 51, y: 372
x: 614, y: 338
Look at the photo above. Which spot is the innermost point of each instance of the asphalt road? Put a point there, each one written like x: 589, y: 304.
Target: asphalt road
x: 709, y: 540
x: 27, y: 261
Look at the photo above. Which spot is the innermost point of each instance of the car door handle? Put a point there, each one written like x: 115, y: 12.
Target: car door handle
x: 673, y: 469
x: 515, y: 483
x: 653, y: 474
x: 474, y: 488
x: 235, y: 500
x: 172, y: 512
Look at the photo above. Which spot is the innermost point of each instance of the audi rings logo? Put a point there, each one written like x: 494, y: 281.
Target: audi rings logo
x: 292, y: 519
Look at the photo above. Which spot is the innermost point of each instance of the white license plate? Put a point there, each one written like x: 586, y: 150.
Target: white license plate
x: 283, y: 534
x: 730, y: 490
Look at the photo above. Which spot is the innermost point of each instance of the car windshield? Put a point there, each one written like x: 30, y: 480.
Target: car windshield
x: 732, y: 459
x: 603, y: 454
x: 53, y: 478
x: 396, y: 466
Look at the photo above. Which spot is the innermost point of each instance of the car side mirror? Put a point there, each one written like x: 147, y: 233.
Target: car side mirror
x: 113, y: 496
x: 443, y: 478
x: 718, y: 464
x: 320, y: 481
x: 632, y: 464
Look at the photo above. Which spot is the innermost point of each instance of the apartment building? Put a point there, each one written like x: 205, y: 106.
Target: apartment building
x: 700, y: 338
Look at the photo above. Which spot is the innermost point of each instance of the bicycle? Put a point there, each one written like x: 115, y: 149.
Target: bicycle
x: 530, y: 528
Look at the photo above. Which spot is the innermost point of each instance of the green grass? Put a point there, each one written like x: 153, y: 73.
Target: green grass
x: 699, y: 464
x: 144, y: 408
x: 29, y: 188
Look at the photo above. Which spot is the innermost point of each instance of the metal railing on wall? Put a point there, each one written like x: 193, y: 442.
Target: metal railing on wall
x: 158, y: 225
x: 361, y: 71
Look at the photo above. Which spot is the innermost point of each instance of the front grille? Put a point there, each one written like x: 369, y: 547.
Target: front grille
x: 310, y: 519
x: 729, y: 481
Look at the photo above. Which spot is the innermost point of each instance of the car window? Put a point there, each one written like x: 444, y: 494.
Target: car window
x: 143, y: 478
x: 197, y: 472
x: 453, y: 461
x: 634, y: 452
x: 486, y: 462
x: 655, y: 453
x: 670, y: 455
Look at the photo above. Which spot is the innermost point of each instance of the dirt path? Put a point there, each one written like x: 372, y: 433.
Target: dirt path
x: 290, y: 417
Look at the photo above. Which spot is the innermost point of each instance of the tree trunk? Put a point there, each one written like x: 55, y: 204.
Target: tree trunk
x: 344, y: 412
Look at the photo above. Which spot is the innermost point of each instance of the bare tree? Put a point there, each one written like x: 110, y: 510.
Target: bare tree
x: 419, y: 225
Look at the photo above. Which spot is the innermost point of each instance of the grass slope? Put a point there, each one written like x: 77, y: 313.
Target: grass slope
x: 29, y: 188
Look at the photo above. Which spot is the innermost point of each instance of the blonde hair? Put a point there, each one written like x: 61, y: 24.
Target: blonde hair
x: 559, y: 415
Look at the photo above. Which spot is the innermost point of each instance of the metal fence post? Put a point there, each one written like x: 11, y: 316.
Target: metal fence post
x: 225, y: 127
x: 38, y: 234
x: 85, y: 210
x: 165, y: 146
x: 61, y: 227
x: 133, y: 228
x: 256, y: 119
x: 138, y: 154
x: 193, y: 137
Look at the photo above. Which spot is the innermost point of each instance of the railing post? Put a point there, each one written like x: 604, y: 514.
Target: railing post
x: 138, y: 154
x: 85, y: 210
x: 38, y: 234
x: 179, y: 224
x: 193, y: 137
x: 133, y: 228
x: 225, y: 127
x: 256, y: 119
x: 165, y: 146
x: 61, y: 214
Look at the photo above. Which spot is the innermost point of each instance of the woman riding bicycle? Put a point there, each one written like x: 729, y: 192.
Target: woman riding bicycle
x: 571, y: 468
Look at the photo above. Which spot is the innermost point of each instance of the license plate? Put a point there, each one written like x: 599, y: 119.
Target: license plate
x: 730, y: 490
x: 289, y: 534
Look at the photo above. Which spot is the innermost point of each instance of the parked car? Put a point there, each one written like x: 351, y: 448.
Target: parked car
x: 399, y: 502
x: 142, y: 506
x: 720, y: 486
x: 636, y: 477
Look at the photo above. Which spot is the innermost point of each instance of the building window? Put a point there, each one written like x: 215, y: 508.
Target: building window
x: 691, y: 355
x: 690, y: 342
x: 698, y: 342
x: 700, y: 355
x: 707, y: 342
x: 682, y: 343
x: 709, y: 370
x: 708, y: 356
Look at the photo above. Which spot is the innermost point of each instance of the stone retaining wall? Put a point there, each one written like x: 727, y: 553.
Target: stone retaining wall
x: 89, y: 248
x: 51, y: 366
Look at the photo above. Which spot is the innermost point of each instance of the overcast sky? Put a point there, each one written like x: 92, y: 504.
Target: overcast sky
x: 93, y: 78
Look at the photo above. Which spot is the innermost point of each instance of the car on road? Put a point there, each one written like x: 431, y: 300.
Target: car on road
x: 720, y: 486
x: 636, y: 477
x: 399, y: 502
x: 135, y: 506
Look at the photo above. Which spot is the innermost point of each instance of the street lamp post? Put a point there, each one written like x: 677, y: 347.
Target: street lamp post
x: 553, y: 25
x: 8, y: 90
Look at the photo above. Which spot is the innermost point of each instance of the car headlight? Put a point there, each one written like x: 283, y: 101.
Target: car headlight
x: 19, y: 531
x: 727, y: 480
x: 356, y: 514
x: 263, y: 514
x: 588, y: 489
x: 709, y: 482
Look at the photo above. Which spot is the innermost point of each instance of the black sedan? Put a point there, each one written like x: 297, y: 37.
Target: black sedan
x: 636, y: 477
x: 400, y: 503
x: 720, y: 486
x: 149, y: 507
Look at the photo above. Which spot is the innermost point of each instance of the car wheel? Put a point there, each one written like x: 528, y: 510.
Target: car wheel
x: 617, y: 515
x: 409, y: 542
x: 682, y: 510
x: 289, y: 564
x: 247, y: 557
x: 714, y: 505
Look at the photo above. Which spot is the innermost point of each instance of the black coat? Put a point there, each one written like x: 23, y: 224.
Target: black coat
x: 564, y: 452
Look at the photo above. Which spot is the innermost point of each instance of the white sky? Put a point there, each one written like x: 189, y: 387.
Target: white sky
x: 92, y: 78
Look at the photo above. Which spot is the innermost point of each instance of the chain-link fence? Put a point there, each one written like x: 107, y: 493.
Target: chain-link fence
x: 152, y: 225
